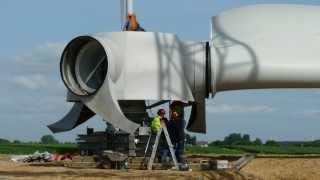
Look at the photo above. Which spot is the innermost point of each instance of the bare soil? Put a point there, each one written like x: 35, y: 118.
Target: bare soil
x: 284, y: 168
x: 261, y: 168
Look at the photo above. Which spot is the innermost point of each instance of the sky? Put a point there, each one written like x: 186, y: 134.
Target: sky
x: 33, y: 33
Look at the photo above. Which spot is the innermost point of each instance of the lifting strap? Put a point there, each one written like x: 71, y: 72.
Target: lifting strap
x: 132, y: 24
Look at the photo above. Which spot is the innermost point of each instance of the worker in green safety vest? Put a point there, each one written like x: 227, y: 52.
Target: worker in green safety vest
x: 156, y: 121
x: 155, y: 127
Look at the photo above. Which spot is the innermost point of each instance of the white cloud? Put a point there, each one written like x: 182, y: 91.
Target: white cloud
x: 228, y: 108
x: 312, y: 113
x: 38, y: 67
x: 41, y: 53
x: 41, y: 59
x: 35, y: 82
x: 32, y: 82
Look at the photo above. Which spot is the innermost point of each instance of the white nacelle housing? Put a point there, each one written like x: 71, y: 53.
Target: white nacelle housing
x: 107, y: 67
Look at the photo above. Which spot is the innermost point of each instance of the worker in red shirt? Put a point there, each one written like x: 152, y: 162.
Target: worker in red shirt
x: 176, y: 127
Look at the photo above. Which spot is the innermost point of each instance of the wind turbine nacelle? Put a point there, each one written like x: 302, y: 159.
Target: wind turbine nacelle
x: 140, y: 65
x: 102, y: 69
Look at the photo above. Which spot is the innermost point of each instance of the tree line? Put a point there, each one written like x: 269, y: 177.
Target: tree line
x: 231, y: 139
x: 245, y: 139
x: 45, y: 139
x: 239, y: 139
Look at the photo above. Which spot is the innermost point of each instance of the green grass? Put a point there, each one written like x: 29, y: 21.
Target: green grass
x: 294, y: 150
x: 241, y: 149
x: 231, y: 150
x: 31, y: 148
x: 212, y: 150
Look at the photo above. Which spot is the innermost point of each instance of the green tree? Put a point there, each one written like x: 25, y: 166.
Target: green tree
x: 4, y: 141
x: 17, y: 142
x: 233, y: 139
x: 271, y: 143
x: 49, y: 139
x: 246, y: 139
x: 257, y: 142
x: 216, y: 143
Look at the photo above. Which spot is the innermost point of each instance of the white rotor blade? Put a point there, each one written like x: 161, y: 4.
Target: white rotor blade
x: 105, y: 104
x: 266, y: 46
x: 76, y: 116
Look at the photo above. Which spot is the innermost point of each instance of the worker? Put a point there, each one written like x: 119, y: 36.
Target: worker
x: 132, y: 24
x: 156, y: 121
x: 176, y: 127
x: 155, y: 127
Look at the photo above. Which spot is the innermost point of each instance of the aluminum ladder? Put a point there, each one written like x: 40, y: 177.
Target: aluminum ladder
x: 163, y: 129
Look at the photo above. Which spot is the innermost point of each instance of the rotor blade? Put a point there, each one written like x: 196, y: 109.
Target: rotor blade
x: 266, y: 46
x: 106, y: 105
x: 76, y: 116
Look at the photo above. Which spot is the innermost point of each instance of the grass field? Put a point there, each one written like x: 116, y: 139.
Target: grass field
x: 240, y: 149
x: 232, y: 150
x: 294, y: 150
x: 212, y: 150
x: 31, y: 148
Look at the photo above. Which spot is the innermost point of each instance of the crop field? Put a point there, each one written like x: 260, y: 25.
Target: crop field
x: 31, y: 148
x: 295, y: 150
x: 290, y: 150
x: 231, y: 150
x: 212, y: 150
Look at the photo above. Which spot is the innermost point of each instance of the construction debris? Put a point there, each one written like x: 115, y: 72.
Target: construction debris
x: 37, y: 156
x: 113, y: 160
x: 61, y: 157
x: 115, y: 156
x: 221, y: 164
x: 41, y: 157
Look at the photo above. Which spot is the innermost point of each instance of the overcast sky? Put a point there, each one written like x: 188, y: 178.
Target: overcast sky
x: 34, y: 32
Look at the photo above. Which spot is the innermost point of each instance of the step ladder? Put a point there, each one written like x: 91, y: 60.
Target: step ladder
x: 163, y: 129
